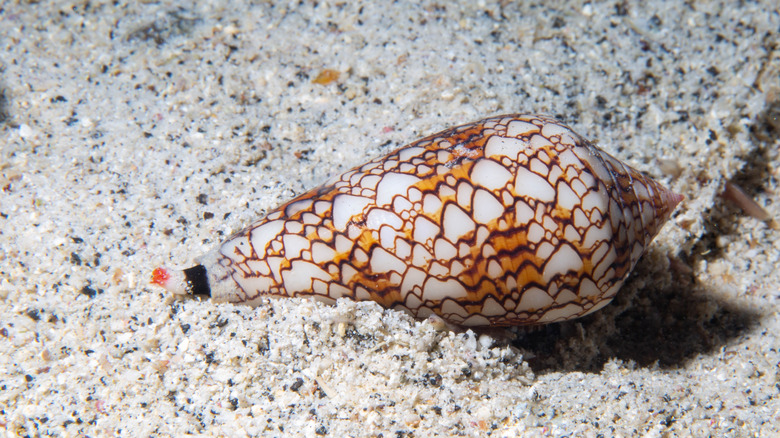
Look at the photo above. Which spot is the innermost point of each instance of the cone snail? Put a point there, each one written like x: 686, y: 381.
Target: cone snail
x: 511, y: 220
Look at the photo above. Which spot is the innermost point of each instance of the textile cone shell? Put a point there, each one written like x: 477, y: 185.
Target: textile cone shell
x: 512, y: 220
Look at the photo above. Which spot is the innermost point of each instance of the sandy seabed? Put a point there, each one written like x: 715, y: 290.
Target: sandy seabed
x: 143, y: 133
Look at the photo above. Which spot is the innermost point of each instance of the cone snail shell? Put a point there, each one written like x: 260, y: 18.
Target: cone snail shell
x: 511, y: 220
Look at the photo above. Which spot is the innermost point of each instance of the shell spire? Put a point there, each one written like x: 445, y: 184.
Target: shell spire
x: 646, y: 206
x: 511, y: 220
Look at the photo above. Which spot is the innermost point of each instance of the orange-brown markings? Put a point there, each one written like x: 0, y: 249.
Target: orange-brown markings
x: 512, y: 245
x: 386, y: 292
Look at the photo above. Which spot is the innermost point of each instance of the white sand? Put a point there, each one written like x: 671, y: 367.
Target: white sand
x: 141, y: 134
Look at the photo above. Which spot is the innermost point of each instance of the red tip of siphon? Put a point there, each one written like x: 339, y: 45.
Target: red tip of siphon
x: 160, y: 276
